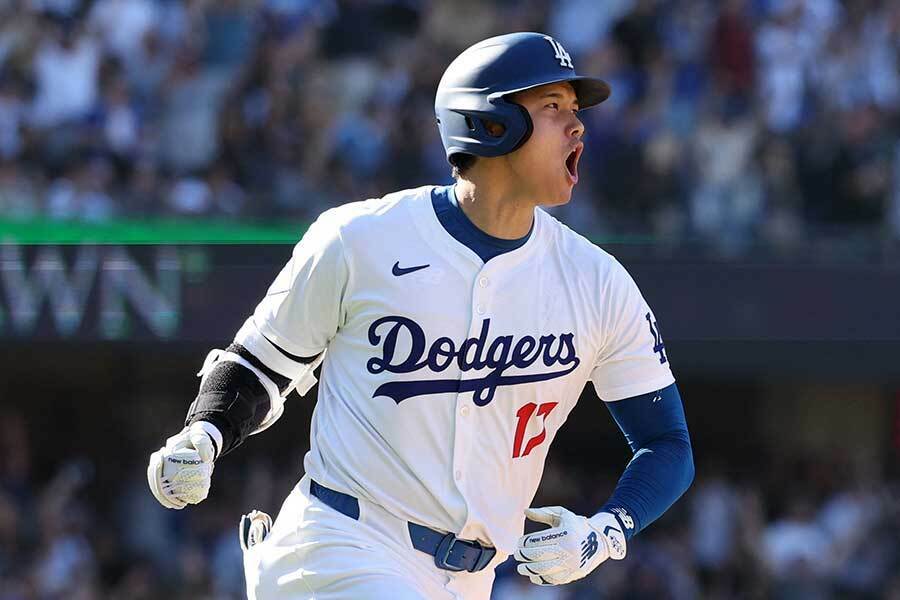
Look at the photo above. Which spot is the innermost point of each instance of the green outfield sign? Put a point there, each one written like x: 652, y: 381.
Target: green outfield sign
x: 150, y: 231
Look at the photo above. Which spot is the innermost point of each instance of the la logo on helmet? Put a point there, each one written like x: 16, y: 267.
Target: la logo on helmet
x: 560, y: 53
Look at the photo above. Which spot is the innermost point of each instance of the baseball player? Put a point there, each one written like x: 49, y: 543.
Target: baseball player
x: 456, y: 327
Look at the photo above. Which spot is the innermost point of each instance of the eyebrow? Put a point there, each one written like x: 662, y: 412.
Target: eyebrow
x: 555, y: 95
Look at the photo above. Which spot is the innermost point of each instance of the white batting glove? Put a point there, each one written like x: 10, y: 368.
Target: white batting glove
x: 571, y: 548
x: 254, y: 528
x: 179, y: 473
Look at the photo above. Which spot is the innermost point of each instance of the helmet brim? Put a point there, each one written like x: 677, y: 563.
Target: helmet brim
x: 589, y: 90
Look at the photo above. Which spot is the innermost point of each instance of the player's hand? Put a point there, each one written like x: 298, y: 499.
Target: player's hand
x: 179, y: 473
x: 254, y: 528
x: 571, y: 548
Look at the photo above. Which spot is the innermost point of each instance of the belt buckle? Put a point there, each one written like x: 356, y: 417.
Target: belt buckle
x: 445, y: 549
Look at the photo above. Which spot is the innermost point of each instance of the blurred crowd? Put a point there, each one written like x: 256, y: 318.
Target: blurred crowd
x: 731, y: 122
x: 805, y: 528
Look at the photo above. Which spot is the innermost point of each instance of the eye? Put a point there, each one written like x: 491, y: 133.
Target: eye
x: 553, y: 105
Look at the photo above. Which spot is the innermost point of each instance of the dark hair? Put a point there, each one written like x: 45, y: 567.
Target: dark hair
x: 461, y: 163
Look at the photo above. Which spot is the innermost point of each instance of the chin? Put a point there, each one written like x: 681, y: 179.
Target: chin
x: 560, y: 198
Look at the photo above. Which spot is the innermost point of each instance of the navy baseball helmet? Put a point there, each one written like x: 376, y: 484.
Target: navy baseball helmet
x: 476, y: 84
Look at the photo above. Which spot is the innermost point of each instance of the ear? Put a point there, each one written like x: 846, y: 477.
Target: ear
x: 494, y: 129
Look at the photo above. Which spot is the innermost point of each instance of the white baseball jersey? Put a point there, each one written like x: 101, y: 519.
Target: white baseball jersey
x: 446, y: 378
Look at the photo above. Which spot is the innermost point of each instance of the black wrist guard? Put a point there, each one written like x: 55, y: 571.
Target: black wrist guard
x: 233, y: 399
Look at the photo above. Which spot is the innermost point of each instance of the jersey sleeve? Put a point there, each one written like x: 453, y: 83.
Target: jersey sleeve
x: 632, y: 359
x: 302, y: 309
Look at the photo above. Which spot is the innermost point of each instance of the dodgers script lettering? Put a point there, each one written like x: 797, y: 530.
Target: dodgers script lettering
x: 499, y: 354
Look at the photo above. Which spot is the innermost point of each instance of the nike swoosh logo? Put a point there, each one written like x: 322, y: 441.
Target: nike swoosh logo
x: 398, y: 270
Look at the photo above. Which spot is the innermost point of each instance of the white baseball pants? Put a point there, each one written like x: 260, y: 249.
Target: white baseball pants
x: 316, y: 552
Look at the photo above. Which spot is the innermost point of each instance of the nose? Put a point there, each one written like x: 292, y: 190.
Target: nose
x: 576, y: 127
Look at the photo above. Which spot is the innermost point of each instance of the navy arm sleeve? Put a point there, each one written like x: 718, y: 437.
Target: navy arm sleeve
x: 662, y: 467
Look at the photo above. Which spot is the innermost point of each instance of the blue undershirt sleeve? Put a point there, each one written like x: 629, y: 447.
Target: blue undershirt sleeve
x: 662, y: 467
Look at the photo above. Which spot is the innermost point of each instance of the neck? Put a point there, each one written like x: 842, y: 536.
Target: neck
x: 495, y: 210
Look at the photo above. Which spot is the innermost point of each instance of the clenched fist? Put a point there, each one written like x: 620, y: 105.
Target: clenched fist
x: 179, y: 473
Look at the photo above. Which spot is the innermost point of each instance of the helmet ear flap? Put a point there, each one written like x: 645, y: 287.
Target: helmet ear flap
x: 529, y: 126
x: 468, y: 130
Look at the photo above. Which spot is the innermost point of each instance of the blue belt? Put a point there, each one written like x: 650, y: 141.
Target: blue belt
x: 450, y: 553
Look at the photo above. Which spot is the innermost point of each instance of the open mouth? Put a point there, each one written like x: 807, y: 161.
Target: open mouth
x: 572, y: 163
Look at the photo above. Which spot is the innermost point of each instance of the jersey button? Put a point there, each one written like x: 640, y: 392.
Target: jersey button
x: 458, y: 475
x: 464, y: 411
x: 483, y: 282
x: 480, y: 309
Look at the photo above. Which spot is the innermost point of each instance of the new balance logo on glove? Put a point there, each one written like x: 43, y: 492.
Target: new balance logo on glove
x: 589, y: 547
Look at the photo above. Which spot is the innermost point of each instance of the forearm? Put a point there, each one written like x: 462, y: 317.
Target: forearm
x: 654, y: 479
x: 243, y: 391
x: 234, y: 399
x: 662, y: 467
